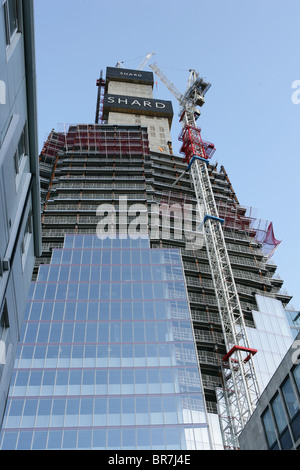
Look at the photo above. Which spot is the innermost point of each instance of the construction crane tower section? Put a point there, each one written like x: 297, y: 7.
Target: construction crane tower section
x: 240, y: 392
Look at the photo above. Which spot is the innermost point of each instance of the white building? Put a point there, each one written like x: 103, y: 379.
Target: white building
x: 19, y: 177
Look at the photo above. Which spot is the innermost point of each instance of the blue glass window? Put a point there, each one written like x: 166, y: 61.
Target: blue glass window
x: 142, y: 410
x: 47, y: 311
x: 158, y: 438
x: 128, y: 411
x: 114, y: 439
x: 55, y: 440
x: 128, y: 439
x: 35, y: 381
x: 64, y: 273
x: 72, y: 412
x: 39, y: 291
x: 69, y: 439
x: 110, y: 353
x: 39, y: 440
x: 269, y: 427
x: 61, y: 292
x: 84, y: 439
x: 9, y: 440
x: 74, y: 273
x: 43, y: 413
x: 128, y: 381
x: 114, y: 412
x: 100, y: 412
x: 290, y: 398
x: 30, y: 336
x: 35, y: 312
x: 86, y: 412
x: 279, y: 413
x: 99, y: 439
x: 29, y: 415
x: 143, y: 438
x: 296, y: 374
x: 69, y: 241
x: 55, y: 333
x: 48, y: 383
x: 25, y: 440
x: 21, y: 381
x: 58, y: 412
x: 90, y: 352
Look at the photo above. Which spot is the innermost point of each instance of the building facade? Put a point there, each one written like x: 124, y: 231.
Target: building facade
x: 107, y: 358
x: 293, y: 317
x: 275, y: 423
x: 20, y: 226
x: 116, y: 177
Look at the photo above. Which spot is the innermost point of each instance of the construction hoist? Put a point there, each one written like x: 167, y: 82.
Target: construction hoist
x: 240, y: 390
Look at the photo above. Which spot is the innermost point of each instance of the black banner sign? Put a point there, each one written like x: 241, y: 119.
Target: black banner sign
x: 127, y: 75
x: 136, y: 105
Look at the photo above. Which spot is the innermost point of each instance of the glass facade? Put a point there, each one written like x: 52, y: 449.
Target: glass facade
x: 293, y: 317
x: 272, y: 337
x: 107, y: 357
x: 281, y: 419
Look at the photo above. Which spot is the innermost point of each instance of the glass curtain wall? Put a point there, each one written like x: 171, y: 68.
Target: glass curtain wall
x: 107, y: 357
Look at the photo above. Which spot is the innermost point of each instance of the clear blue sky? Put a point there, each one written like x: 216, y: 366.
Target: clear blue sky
x: 248, y: 51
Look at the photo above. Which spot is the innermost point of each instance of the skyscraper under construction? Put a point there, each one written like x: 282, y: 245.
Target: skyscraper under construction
x: 125, y: 310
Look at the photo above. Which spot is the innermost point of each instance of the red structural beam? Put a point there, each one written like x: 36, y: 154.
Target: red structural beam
x: 193, y: 145
x: 240, y: 348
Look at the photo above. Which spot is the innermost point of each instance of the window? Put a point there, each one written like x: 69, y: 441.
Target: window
x: 26, y: 239
x: 11, y: 19
x: 27, y: 232
x: 279, y: 413
x: 296, y: 375
x: 269, y: 427
x: 3, y: 333
x: 290, y: 398
x: 21, y: 150
x: 2, y: 92
x: 3, y: 320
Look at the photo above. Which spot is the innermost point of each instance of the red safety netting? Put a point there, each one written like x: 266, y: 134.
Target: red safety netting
x: 242, y: 219
x: 267, y: 239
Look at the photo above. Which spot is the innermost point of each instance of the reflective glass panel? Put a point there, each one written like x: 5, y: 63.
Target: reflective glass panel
x: 279, y: 413
x: 290, y: 398
x: 107, y: 355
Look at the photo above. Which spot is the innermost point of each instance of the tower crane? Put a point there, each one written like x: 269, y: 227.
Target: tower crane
x: 240, y: 391
x: 194, y: 95
x: 145, y: 61
x: 120, y: 65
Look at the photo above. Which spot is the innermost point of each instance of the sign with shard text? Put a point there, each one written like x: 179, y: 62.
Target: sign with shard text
x: 127, y: 75
x: 136, y: 105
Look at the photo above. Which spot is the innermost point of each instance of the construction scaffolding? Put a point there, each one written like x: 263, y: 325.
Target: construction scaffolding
x: 54, y: 143
x: 47, y: 161
x: 107, y: 140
